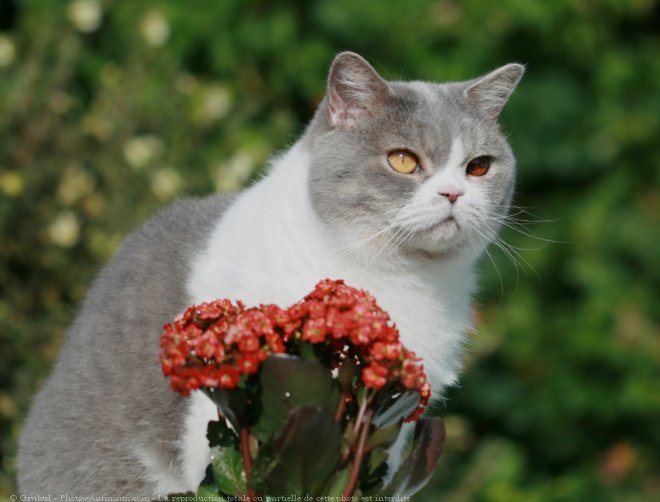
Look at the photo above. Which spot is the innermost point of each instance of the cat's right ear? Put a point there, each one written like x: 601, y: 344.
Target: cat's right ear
x: 354, y: 90
x: 491, y: 92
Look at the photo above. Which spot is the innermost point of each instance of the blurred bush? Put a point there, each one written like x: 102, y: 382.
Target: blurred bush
x: 109, y: 110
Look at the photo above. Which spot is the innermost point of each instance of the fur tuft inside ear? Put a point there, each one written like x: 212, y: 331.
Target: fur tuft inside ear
x: 354, y: 90
x: 491, y: 92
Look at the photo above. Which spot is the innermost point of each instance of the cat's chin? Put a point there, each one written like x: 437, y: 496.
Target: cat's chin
x: 440, y: 240
x: 437, y: 249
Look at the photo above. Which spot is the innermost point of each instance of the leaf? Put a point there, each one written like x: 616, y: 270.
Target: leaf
x: 305, y: 454
x: 417, y: 468
x: 390, y: 410
x: 181, y: 497
x: 346, y: 375
x: 228, y: 470
x: 232, y: 405
x: 289, y: 382
x: 209, y: 493
x: 336, y: 487
x: 219, y: 434
x: 374, y: 471
x: 383, y: 437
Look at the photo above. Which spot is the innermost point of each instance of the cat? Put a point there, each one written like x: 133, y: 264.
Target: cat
x: 395, y: 187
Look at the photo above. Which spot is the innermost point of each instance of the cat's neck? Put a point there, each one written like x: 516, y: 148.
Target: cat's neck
x: 272, y: 230
x: 288, y: 178
x: 272, y: 247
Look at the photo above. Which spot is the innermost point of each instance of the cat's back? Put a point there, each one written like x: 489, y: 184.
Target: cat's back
x: 107, y: 386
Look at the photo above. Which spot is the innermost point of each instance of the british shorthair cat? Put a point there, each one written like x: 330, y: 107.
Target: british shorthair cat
x: 395, y: 187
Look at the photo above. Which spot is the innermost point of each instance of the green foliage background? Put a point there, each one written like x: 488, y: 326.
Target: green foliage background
x: 109, y: 110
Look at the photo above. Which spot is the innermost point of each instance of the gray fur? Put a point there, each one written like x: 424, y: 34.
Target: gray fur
x: 107, y: 393
x: 107, y: 398
x: 350, y: 180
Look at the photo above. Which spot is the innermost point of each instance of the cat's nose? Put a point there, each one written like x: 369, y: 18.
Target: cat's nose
x: 452, y: 196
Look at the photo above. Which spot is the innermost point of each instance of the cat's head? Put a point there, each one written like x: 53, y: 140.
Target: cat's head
x: 411, y: 167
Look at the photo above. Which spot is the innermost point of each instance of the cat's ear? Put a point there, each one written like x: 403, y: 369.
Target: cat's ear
x: 354, y: 90
x: 491, y: 92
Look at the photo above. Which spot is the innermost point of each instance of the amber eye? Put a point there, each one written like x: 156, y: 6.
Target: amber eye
x: 403, y: 161
x: 478, y: 166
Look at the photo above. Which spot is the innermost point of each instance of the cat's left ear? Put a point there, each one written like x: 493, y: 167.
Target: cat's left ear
x: 354, y: 90
x: 491, y: 92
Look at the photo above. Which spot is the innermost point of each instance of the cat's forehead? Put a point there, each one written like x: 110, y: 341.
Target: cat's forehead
x: 431, y: 116
x: 429, y: 103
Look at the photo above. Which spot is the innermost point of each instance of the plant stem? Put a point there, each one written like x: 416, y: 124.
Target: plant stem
x: 363, y: 407
x: 341, y: 408
x: 359, y: 455
x: 245, y: 453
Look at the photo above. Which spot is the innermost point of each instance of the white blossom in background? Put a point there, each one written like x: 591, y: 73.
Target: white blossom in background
x: 210, y: 102
x: 141, y: 150
x: 7, y: 51
x: 230, y: 176
x: 155, y: 29
x: 75, y: 184
x: 217, y: 102
x: 11, y: 184
x: 165, y: 183
x: 85, y: 15
x: 64, y: 231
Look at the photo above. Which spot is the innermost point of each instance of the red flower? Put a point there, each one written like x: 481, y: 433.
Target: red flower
x: 275, y: 344
x: 314, y: 331
x: 248, y: 363
x: 207, y: 346
x: 228, y: 377
x: 248, y: 343
x: 374, y: 376
x: 212, y: 344
x: 411, y: 373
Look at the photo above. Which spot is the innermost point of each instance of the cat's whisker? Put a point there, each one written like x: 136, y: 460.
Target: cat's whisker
x: 525, y: 210
x: 520, y: 227
x: 357, y: 245
x: 490, y: 236
x: 514, y: 255
x: 484, y: 245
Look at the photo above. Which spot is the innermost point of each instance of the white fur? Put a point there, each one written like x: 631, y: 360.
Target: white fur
x: 195, y: 459
x: 168, y: 479
x: 449, y: 178
x: 271, y: 247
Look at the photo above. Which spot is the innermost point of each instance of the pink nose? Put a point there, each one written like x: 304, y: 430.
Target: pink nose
x: 451, y: 196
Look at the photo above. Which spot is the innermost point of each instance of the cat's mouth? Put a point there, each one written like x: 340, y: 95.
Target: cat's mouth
x: 445, y: 223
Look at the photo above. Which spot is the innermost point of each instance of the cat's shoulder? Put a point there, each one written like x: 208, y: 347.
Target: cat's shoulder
x: 184, y: 216
x: 161, y: 249
x: 184, y: 224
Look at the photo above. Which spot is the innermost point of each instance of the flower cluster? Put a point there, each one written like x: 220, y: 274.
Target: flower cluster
x: 211, y: 345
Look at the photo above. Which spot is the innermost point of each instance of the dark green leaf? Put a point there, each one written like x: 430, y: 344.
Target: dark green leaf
x: 424, y: 453
x: 232, y: 405
x: 346, y: 375
x: 383, y: 437
x: 305, y: 453
x: 374, y: 470
x: 228, y: 470
x: 289, y: 382
x: 338, y: 484
x: 207, y: 491
x: 219, y: 434
x: 181, y: 497
x: 390, y: 410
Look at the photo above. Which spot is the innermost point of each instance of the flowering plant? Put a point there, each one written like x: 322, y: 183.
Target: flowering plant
x: 328, y: 368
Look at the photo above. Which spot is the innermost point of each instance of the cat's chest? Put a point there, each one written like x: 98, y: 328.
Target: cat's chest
x: 431, y: 309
